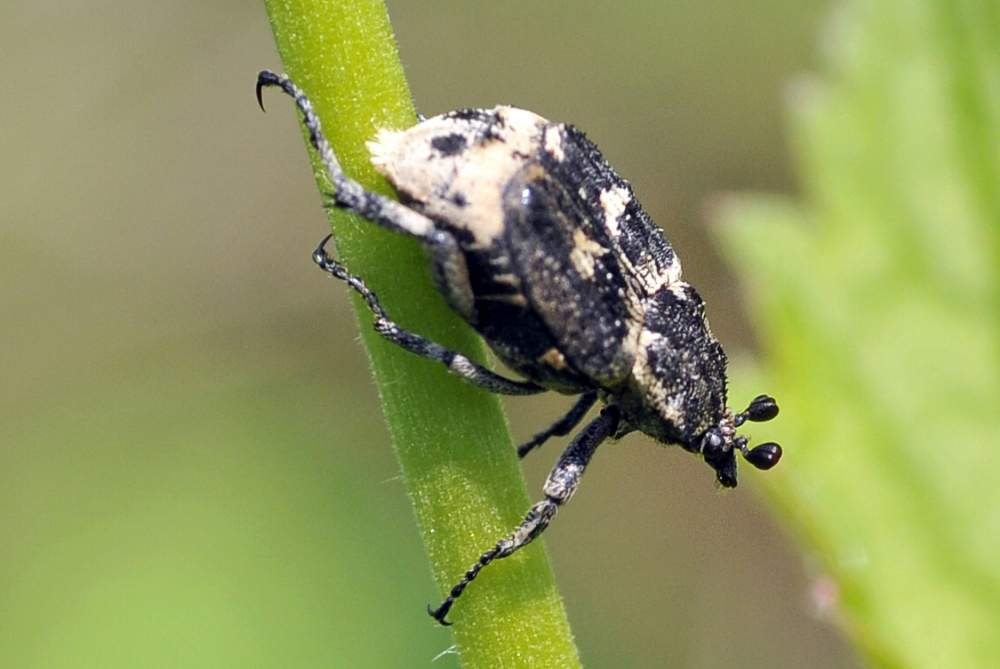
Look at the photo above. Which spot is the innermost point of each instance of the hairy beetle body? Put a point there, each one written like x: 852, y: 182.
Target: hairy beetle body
x: 539, y: 244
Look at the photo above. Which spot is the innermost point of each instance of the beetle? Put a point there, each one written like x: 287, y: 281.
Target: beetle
x: 544, y: 250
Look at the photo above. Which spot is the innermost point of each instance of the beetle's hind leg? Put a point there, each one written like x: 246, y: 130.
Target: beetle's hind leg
x: 385, y: 326
x: 347, y: 193
x: 559, y: 487
x: 448, y: 261
x: 561, y: 427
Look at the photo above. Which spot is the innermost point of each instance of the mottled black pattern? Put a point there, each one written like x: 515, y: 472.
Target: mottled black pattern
x: 487, y: 120
x: 583, y: 167
x: 449, y: 145
x: 485, y: 116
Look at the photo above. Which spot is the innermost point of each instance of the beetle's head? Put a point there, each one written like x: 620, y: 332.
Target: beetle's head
x: 677, y: 390
x: 720, y: 443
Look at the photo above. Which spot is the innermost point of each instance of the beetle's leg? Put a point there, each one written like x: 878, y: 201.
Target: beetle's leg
x: 348, y: 193
x: 561, y: 427
x: 448, y: 260
x: 385, y: 326
x: 559, y: 488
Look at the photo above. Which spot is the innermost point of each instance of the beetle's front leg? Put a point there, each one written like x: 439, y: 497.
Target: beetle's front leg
x: 559, y: 488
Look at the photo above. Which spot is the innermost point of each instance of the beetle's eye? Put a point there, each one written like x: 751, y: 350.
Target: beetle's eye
x: 762, y: 408
x: 712, y: 445
x: 764, y: 456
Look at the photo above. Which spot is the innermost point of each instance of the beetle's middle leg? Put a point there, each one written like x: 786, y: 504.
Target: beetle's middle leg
x: 559, y: 488
x: 561, y: 427
x: 385, y: 326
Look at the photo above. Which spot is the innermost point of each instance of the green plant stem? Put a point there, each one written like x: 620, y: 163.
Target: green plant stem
x: 456, y: 455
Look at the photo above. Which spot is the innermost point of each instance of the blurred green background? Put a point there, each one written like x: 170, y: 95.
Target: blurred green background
x: 193, y: 466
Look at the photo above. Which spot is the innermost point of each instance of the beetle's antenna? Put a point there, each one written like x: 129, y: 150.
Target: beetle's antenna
x: 762, y: 408
x: 763, y: 456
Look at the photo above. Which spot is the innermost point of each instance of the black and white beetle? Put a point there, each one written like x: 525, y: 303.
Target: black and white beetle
x: 544, y: 250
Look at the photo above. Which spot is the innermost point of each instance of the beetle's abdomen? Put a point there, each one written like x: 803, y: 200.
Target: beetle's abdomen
x: 513, y: 329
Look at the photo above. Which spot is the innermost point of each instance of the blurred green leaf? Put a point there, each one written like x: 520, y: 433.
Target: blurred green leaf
x: 876, y: 301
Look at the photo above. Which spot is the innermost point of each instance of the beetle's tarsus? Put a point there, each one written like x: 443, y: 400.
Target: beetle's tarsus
x: 440, y: 612
x: 561, y: 427
x: 265, y: 78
